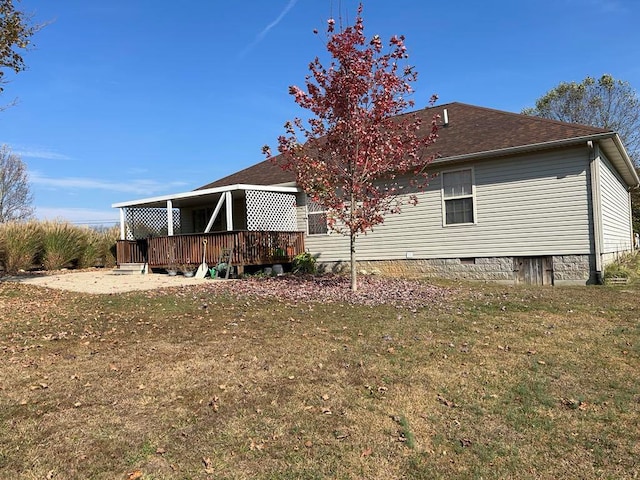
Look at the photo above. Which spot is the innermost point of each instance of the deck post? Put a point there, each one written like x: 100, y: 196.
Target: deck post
x: 122, y: 231
x: 170, y: 218
x: 229, y: 205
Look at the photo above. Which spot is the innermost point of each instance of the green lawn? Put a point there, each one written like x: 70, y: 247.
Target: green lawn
x: 196, y: 383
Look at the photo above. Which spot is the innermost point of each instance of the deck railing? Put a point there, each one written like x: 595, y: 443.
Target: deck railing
x: 249, y: 248
x: 131, y: 251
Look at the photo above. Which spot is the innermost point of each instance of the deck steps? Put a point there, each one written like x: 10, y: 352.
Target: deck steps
x: 130, y: 269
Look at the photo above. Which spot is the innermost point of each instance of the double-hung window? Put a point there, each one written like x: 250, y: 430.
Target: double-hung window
x: 458, y: 197
x: 316, y: 218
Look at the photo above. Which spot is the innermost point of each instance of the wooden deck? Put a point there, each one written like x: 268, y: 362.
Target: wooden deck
x: 249, y: 248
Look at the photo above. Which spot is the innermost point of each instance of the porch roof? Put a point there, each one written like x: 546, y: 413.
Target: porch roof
x: 196, y: 197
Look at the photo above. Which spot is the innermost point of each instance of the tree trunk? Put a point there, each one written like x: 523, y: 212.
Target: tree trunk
x: 354, y: 273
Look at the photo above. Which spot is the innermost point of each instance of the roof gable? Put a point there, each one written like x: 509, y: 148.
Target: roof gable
x: 263, y: 173
x: 471, y: 130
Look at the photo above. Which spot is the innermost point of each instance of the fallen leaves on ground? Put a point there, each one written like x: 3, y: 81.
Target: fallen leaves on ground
x: 372, y: 290
x: 208, y: 466
x: 446, y: 402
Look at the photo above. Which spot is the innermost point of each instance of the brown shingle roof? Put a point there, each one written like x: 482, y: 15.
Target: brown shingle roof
x: 263, y: 173
x: 474, y: 130
x: 471, y: 130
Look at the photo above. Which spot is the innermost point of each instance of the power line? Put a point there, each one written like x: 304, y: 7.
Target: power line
x: 95, y: 222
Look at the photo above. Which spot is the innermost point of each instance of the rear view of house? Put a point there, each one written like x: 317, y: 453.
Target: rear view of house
x: 513, y: 199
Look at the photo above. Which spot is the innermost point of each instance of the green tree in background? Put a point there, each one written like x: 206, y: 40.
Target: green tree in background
x: 16, y: 31
x: 604, y: 102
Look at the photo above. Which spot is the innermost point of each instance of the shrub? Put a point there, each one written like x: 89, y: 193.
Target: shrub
x: 616, y: 270
x: 304, y: 263
x: 625, y: 266
x: 20, y: 244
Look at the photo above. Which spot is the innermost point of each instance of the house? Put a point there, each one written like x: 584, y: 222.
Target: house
x: 514, y: 198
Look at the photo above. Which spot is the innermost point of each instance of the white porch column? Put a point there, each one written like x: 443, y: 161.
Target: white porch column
x: 122, y: 231
x: 170, y: 218
x: 229, y: 205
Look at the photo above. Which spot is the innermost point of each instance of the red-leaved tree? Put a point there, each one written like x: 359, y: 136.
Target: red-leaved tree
x: 358, y: 151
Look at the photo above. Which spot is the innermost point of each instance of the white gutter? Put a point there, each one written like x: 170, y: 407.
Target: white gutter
x: 208, y: 191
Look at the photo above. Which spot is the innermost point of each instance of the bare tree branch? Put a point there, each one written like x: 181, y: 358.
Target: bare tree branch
x: 15, y: 193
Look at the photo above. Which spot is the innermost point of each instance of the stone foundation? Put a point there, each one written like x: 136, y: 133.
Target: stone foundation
x: 573, y: 269
x: 494, y: 268
x: 567, y: 269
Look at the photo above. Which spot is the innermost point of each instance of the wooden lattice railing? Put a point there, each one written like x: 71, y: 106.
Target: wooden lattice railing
x: 249, y: 248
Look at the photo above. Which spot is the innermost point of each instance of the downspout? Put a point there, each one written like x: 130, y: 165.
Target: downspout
x: 596, y: 207
x: 633, y: 237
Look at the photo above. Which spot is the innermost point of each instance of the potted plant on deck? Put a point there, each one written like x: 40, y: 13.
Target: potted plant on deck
x: 188, y: 269
x: 172, y: 265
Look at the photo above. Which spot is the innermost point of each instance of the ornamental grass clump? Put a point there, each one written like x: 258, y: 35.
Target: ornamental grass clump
x: 99, y: 247
x: 89, y: 256
x: 107, y: 245
x: 63, y: 245
x: 20, y: 244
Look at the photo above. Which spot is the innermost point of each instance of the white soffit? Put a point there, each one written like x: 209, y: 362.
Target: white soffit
x: 161, y: 201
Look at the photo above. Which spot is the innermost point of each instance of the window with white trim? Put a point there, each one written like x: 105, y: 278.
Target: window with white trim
x: 316, y: 218
x: 458, y: 197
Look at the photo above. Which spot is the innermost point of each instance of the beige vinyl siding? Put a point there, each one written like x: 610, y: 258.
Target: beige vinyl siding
x: 616, y: 226
x: 526, y: 206
x: 301, y: 216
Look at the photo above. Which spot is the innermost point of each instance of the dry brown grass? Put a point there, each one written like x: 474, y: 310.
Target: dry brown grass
x: 187, y: 383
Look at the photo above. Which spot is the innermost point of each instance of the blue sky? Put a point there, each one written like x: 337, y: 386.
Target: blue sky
x: 129, y: 99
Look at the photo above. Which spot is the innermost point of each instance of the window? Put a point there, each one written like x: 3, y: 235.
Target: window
x: 458, y: 197
x: 316, y: 218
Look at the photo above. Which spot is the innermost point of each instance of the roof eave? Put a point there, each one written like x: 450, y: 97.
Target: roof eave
x: 633, y: 181
x: 153, y: 201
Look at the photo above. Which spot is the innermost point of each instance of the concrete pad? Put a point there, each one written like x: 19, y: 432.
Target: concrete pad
x: 104, y: 281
